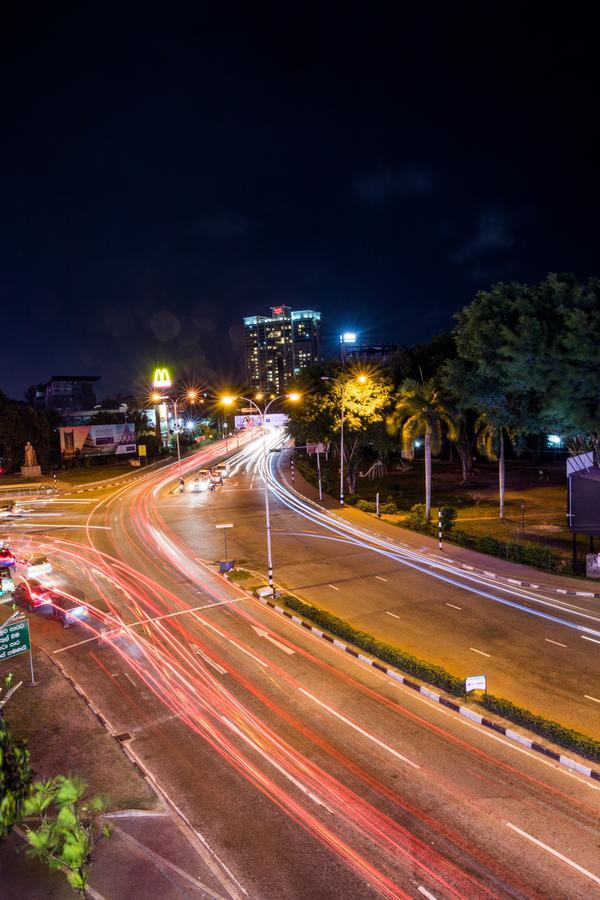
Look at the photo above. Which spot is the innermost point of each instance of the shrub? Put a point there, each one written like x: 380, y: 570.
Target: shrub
x: 417, y: 519
x: 441, y: 678
x: 366, y: 505
x: 429, y: 672
x: 449, y: 514
x: 566, y: 737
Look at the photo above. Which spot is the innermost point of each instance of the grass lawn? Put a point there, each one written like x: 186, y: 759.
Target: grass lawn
x: 544, y: 499
x: 64, y: 736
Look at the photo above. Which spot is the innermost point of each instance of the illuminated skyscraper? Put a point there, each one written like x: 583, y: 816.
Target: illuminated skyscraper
x: 279, y: 346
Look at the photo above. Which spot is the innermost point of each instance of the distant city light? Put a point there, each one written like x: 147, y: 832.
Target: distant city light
x: 348, y: 337
x: 555, y: 440
x: 418, y: 443
x: 190, y: 425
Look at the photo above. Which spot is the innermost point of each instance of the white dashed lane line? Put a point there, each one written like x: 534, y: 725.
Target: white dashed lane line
x: 333, y: 587
x: 555, y: 853
x: 557, y: 643
x: 595, y: 699
x: 453, y: 606
x: 380, y: 578
x: 393, y: 615
x: 481, y: 652
x: 586, y: 638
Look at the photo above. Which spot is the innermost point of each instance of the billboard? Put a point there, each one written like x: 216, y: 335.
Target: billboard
x: 97, y: 440
x: 272, y: 420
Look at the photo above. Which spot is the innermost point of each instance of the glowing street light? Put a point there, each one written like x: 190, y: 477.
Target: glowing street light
x: 294, y: 397
x: 361, y: 379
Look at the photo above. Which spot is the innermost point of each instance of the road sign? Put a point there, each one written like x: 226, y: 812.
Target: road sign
x: 141, y: 449
x: 14, y: 639
x: 248, y: 409
x: 476, y: 683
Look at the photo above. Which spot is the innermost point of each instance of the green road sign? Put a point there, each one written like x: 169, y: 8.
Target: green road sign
x: 14, y: 639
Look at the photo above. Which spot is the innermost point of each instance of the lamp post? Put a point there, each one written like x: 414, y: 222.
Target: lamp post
x: 228, y: 401
x: 191, y: 397
x: 342, y: 386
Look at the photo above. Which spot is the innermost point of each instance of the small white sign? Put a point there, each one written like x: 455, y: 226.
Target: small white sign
x: 476, y: 683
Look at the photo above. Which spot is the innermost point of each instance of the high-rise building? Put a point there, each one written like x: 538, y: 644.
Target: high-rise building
x: 280, y: 346
x: 67, y: 392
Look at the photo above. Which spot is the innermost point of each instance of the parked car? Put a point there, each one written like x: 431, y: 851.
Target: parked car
x: 33, y: 593
x: 36, y: 566
x: 69, y: 609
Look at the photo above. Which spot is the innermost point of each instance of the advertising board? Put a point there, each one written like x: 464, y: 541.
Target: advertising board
x: 97, y: 440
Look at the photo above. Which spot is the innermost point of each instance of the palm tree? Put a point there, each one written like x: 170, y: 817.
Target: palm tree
x: 489, y: 428
x: 422, y: 409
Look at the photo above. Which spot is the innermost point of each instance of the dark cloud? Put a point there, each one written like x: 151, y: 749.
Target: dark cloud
x: 384, y: 186
x: 223, y: 225
x: 494, y: 233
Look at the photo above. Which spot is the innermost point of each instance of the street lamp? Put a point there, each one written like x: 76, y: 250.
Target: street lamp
x: 361, y: 379
x: 228, y: 401
x: 191, y: 397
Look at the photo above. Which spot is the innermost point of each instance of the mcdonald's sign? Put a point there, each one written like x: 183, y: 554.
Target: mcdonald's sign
x: 162, y: 378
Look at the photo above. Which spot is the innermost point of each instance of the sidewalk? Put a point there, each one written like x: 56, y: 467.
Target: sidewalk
x: 148, y: 855
x: 471, y: 560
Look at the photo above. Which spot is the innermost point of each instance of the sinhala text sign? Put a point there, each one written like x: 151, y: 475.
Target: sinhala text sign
x: 14, y: 639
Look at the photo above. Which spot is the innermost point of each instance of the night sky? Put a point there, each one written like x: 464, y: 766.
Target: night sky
x: 168, y: 170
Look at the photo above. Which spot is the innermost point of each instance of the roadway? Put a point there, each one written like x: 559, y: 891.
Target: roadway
x: 306, y: 772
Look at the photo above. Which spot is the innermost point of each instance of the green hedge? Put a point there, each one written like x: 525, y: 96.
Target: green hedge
x: 515, y: 551
x: 566, y: 737
x: 393, y: 655
x: 439, y: 677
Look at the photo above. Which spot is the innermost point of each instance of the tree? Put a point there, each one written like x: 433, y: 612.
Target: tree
x: 422, y: 409
x: 490, y: 428
x: 20, y: 423
x: 67, y: 826
x: 15, y: 777
x: 318, y: 416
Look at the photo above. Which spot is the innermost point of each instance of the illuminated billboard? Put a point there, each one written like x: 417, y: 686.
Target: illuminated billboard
x: 97, y: 440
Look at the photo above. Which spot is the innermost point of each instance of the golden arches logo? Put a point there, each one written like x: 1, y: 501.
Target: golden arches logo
x: 162, y: 378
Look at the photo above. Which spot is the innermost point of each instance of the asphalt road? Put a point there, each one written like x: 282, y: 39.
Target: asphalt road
x: 537, y: 648
x: 306, y: 773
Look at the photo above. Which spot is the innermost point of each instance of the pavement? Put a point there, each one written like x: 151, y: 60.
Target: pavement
x: 300, y: 770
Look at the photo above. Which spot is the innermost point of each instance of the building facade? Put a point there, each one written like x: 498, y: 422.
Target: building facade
x: 67, y: 392
x: 278, y: 347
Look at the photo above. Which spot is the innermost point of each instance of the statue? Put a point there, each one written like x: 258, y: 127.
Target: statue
x: 30, y: 455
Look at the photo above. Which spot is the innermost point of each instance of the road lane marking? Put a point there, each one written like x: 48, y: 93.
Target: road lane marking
x: 299, y: 784
x: 247, y: 652
x: 479, y: 651
x: 333, y: 587
x: 558, y: 644
x: 265, y: 634
x: 555, y: 853
x: 381, y: 578
x: 359, y: 729
x: 593, y: 640
x: 595, y: 699
x: 210, y: 661
x: 425, y: 892
x: 453, y: 606
x: 393, y: 615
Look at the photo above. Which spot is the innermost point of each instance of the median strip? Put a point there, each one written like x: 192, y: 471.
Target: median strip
x: 437, y: 675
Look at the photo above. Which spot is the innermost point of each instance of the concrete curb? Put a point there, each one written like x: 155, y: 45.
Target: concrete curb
x: 530, y: 744
x: 195, y: 837
x: 504, y: 578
